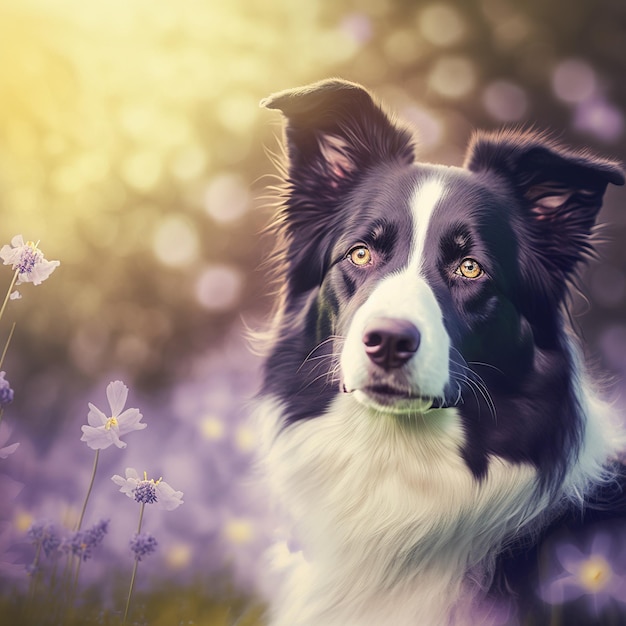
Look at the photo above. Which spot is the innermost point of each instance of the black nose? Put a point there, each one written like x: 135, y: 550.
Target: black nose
x: 390, y: 342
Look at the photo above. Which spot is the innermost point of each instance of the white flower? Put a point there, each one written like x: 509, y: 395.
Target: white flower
x: 104, y: 430
x: 147, y: 490
x: 28, y: 260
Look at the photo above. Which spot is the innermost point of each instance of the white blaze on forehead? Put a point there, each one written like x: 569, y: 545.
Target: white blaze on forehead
x: 425, y: 200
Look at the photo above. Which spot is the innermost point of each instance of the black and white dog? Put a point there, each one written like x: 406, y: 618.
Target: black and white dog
x: 424, y: 399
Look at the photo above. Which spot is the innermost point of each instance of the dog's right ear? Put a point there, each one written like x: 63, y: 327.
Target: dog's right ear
x: 334, y: 131
x: 334, y: 134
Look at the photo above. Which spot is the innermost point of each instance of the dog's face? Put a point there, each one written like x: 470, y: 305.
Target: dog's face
x: 419, y: 289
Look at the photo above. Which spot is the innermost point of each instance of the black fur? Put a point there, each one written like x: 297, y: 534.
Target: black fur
x: 522, y: 203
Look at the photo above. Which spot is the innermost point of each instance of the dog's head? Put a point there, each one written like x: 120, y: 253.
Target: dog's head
x: 419, y: 288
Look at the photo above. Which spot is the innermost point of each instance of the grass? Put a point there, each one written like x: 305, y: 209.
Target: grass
x: 164, y: 605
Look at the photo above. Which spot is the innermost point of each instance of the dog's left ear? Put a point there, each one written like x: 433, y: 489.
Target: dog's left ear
x: 561, y: 192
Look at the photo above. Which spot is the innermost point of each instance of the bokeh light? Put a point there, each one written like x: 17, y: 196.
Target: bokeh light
x: 574, y: 80
x: 505, y: 101
x: 441, y: 24
x: 453, y: 77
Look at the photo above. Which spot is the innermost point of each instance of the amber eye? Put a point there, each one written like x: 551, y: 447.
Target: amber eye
x: 469, y: 268
x: 360, y: 255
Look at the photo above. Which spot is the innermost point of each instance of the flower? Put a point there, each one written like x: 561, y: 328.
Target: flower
x: 148, y: 491
x: 103, y: 431
x: 590, y: 574
x: 6, y: 393
x: 28, y: 260
x: 83, y: 542
x: 143, y: 544
x: 45, y: 534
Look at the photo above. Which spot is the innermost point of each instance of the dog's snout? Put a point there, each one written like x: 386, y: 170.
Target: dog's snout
x: 390, y: 342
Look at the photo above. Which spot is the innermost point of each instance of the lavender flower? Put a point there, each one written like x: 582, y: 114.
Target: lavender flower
x: 44, y: 534
x: 6, y: 393
x: 103, y: 431
x: 83, y: 542
x: 28, y: 261
x: 143, y: 544
x: 148, y: 491
x: 586, y: 574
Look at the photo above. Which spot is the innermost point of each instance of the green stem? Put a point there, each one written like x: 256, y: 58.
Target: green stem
x: 6, y: 345
x: 132, y: 578
x: 6, y: 298
x: 35, y: 573
x: 93, y: 476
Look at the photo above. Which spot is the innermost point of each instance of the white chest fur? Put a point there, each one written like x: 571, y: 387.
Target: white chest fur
x: 388, y: 514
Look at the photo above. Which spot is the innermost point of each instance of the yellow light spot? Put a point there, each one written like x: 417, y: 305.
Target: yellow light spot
x: 22, y: 521
x: 179, y: 555
x: 239, y: 531
x: 212, y: 428
x: 595, y: 573
x: 112, y: 421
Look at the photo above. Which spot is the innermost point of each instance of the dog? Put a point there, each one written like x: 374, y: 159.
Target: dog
x: 424, y: 401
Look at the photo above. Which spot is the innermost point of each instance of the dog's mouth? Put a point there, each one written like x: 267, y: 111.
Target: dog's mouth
x: 394, y: 398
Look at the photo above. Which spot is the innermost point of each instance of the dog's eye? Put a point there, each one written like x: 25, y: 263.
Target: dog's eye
x: 360, y: 255
x: 469, y: 268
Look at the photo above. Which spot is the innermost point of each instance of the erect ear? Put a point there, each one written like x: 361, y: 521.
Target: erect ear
x: 334, y: 133
x: 561, y: 193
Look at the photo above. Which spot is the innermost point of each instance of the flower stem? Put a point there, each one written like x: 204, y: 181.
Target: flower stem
x: 6, y: 345
x: 132, y: 578
x: 35, y: 572
x: 6, y: 298
x: 93, y: 476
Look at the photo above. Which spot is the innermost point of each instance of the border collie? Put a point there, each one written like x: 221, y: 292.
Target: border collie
x: 424, y: 399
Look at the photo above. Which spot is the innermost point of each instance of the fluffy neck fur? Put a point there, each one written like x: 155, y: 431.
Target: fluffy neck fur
x: 388, y: 523
x: 391, y: 516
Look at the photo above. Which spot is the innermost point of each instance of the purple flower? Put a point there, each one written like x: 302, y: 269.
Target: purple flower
x: 28, y: 260
x: 83, y: 542
x: 6, y: 393
x: 145, y: 492
x: 103, y: 431
x: 45, y: 535
x: 590, y: 574
x: 148, y: 490
x: 143, y: 544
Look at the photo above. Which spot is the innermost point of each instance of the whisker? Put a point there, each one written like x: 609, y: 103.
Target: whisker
x: 486, y: 365
x: 329, y: 339
x: 474, y: 382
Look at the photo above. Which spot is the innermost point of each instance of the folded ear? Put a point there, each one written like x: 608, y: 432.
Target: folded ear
x: 334, y: 133
x: 561, y: 193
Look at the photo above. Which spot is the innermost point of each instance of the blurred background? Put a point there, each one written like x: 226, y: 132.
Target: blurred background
x: 133, y: 148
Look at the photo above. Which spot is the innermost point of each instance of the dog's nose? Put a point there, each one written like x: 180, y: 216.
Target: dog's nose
x: 390, y: 342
